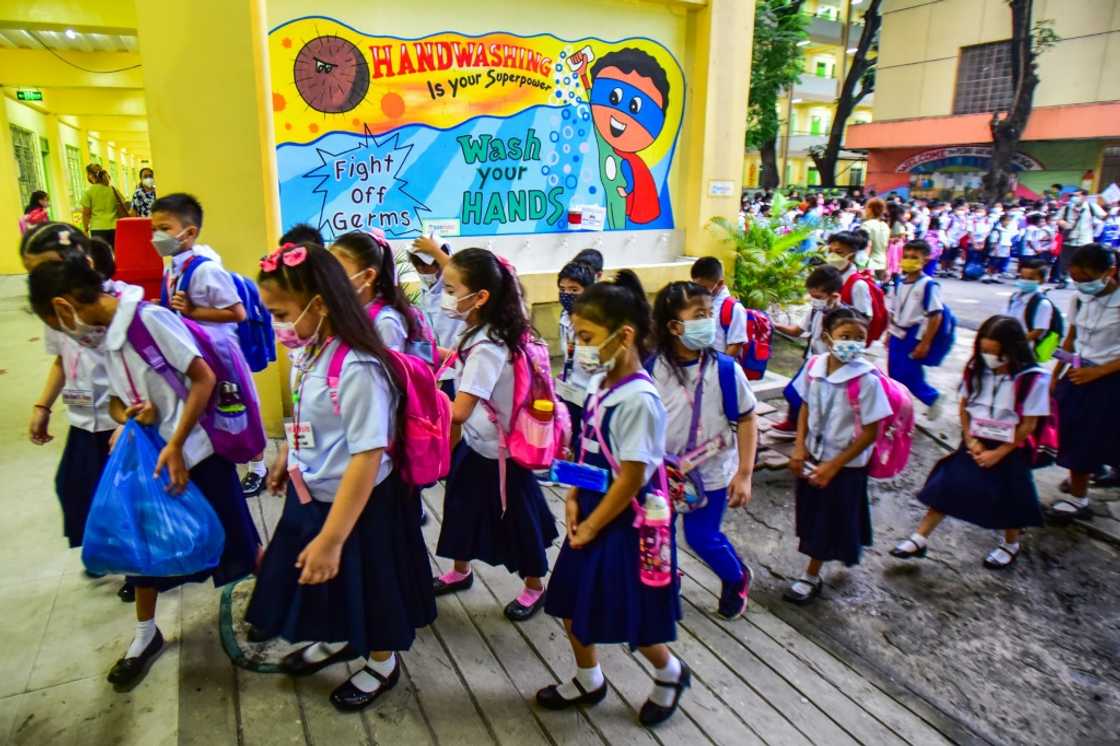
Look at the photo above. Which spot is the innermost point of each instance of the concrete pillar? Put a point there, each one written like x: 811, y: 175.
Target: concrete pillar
x: 11, y: 207
x: 211, y: 130
x: 719, y: 72
x: 60, y: 199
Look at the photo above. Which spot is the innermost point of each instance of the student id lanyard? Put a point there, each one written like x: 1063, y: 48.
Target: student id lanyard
x: 989, y: 427
x: 74, y: 395
x: 300, y: 433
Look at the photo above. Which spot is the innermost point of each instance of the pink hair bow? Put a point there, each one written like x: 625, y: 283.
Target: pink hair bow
x: 290, y: 254
x: 379, y: 236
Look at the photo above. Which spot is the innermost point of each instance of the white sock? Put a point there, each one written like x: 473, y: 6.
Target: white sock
x: 367, y: 683
x: 919, y: 540
x: 320, y: 651
x: 671, y: 673
x: 258, y: 468
x: 145, y: 633
x: 589, y: 678
x: 1012, y: 548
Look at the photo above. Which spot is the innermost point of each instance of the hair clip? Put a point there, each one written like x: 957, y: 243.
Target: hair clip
x: 291, y: 254
x: 295, y: 257
x: 378, y: 235
x: 64, y: 238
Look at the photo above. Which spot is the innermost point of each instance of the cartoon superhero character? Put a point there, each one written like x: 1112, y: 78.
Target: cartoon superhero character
x: 629, y: 95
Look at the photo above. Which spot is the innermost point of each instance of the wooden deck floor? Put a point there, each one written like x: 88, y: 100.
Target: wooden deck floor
x: 471, y: 678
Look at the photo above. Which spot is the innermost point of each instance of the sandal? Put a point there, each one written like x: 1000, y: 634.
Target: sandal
x: 909, y: 549
x: 1001, y: 558
x: 803, y: 591
x: 1070, y: 513
x: 652, y: 713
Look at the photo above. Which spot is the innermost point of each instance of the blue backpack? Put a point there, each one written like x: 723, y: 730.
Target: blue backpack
x: 254, y: 334
x: 946, y: 333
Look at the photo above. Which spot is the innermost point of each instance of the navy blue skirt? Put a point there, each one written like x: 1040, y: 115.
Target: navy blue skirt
x: 1001, y: 497
x: 382, y: 593
x: 79, y: 471
x: 219, y: 483
x: 834, y: 523
x: 474, y: 527
x: 598, y: 587
x: 1088, y: 436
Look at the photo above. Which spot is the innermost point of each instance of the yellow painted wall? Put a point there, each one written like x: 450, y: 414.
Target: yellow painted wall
x: 921, y: 39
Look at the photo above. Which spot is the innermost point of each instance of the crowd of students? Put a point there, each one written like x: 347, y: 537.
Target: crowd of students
x: 347, y: 574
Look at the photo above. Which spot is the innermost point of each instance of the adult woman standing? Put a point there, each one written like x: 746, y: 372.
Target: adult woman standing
x: 145, y: 194
x: 878, y: 234
x: 101, y: 206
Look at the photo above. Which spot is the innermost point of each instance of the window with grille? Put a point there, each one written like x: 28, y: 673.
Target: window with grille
x: 27, y: 155
x: 75, y: 174
x: 984, y: 78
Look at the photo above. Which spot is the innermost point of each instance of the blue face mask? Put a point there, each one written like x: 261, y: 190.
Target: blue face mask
x: 699, y: 334
x: 567, y: 300
x: 620, y: 95
x: 847, y: 350
x: 1092, y: 287
x: 1027, y: 286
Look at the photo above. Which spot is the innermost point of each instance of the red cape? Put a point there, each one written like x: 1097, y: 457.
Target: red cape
x: 642, y: 204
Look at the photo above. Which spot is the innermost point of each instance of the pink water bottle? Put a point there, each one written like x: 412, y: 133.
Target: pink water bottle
x: 655, y: 548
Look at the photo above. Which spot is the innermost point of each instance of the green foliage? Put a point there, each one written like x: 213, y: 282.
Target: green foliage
x: 776, y: 63
x: 769, y: 272
x: 404, y: 265
x: 1043, y: 35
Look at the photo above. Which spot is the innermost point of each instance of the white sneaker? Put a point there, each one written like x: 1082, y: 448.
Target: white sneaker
x: 935, y: 410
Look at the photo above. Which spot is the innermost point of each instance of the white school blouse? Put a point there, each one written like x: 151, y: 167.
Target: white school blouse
x: 367, y: 405
x: 484, y: 370
x: 1097, y: 320
x: 446, y: 329
x: 677, y: 399
x: 637, y: 427
x: 84, y: 370
x: 391, y: 328
x: 132, y: 381
x: 995, y: 398
x: 831, y: 418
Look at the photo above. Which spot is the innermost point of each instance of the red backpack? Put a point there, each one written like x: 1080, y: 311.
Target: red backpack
x: 879, y: 314
x: 754, y: 354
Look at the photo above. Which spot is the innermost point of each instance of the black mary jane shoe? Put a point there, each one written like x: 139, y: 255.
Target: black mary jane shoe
x: 441, y: 588
x: 349, y: 698
x: 294, y: 664
x: 515, y: 612
x: 652, y: 713
x: 550, y: 697
x: 917, y: 553
x: 995, y: 562
x: 802, y: 599
x: 1065, y: 517
x: 128, y: 672
x: 127, y: 593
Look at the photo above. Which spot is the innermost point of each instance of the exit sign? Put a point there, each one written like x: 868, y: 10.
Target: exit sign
x: 29, y: 94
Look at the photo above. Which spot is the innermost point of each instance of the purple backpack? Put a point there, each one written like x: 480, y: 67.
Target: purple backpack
x: 232, y: 417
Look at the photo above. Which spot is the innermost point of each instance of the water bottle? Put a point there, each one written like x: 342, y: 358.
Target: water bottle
x: 655, y: 547
x: 538, y: 430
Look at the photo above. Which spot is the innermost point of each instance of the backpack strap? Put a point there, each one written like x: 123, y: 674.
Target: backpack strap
x: 146, y: 347
x: 334, y: 374
x: 1032, y: 309
x: 725, y: 366
x: 726, y: 313
x: 853, y: 399
x: 375, y: 309
x: 926, y: 292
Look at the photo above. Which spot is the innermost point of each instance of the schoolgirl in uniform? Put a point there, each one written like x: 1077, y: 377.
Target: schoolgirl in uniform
x: 347, y: 566
x: 78, y: 375
x: 69, y: 296
x: 596, y: 588
x: 1087, y: 388
x: 368, y: 261
x: 429, y: 256
x: 686, y: 372
x: 988, y: 480
x: 830, y: 458
x: 571, y: 386
x: 482, y: 290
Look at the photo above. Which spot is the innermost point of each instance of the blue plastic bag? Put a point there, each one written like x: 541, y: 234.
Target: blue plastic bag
x: 136, y: 527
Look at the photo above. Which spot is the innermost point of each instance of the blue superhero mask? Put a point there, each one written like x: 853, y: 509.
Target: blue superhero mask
x: 635, y: 103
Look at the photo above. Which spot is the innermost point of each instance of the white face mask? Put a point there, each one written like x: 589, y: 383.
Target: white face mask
x: 818, y: 304
x: 450, y: 305
x: 89, y: 336
x: 993, y: 361
x: 588, y: 357
x: 148, y: 182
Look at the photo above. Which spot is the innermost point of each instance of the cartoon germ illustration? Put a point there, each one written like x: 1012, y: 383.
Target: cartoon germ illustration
x: 331, y: 75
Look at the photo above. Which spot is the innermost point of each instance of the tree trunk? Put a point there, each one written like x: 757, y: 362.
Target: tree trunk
x: 1008, y: 130
x: 826, y: 160
x: 768, y: 177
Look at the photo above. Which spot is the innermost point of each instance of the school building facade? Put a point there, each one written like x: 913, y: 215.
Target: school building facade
x: 492, y: 127
x: 944, y: 66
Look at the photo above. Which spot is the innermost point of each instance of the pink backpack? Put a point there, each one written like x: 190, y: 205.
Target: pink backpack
x: 424, y: 456
x: 425, y: 347
x: 891, y: 451
x: 530, y: 442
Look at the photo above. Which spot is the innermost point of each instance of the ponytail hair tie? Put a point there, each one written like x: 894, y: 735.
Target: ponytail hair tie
x: 378, y: 235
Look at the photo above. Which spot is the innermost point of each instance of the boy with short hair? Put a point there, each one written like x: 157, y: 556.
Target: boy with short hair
x: 1031, y: 306
x: 571, y: 385
x: 593, y: 258
x: 707, y: 271
x: 916, y: 315
x: 302, y: 233
x: 842, y: 250
x: 824, y: 285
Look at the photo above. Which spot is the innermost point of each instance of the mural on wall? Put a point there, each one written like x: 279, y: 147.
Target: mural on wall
x: 472, y: 135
